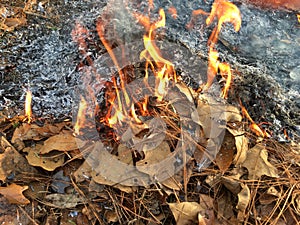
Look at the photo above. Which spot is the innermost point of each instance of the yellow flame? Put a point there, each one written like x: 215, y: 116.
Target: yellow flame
x: 80, y: 121
x: 28, y: 111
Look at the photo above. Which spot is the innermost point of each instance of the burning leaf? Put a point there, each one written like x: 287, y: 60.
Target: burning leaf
x: 257, y: 163
x: 244, y: 200
x: 49, y: 161
x: 12, y: 163
x: 62, y: 142
x: 224, y: 157
x: 13, y: 193
x: 185, y: 213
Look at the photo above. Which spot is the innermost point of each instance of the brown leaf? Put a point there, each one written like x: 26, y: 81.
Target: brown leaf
x: 241, y: 143
x: 62, y: 142
x: 225, y: 155
x: 49, y: 161
x: 244, y: 200
x: 269, y: 196
x: 257, y: 163
x: 185, y: 213
x: 34, y: 132
x: 64, y: 201
x: 225, y: 206
x: 13, y: 193
x: 12, y: 162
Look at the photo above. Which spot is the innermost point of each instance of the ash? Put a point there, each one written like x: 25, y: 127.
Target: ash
x: 265, y: 52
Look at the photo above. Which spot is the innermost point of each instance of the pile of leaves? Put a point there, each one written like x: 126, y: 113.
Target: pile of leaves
x: 46, y: 179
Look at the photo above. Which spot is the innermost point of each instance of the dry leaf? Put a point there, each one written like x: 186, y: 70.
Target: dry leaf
x: 207, y: 116
x: 62, y: 142
x: 111, y: 216
x: 49, y: 161
x: 244, y: 200
x: 231, y: 184
x: 233, y: 114
x: 13, y: 193
x: 12, y: 162
x: 225, y: 155
x: 64, y: 201
x: 225, y: 206
x: 241, y: 143
x: 269, y: 196
x: 185, y: 213
x: 257, y: 163
x: 34, y: 132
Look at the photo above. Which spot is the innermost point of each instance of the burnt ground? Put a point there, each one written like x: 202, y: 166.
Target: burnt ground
x: 264, y: 56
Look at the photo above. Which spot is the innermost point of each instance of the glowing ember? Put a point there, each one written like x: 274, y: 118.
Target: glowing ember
x: 28, y: 111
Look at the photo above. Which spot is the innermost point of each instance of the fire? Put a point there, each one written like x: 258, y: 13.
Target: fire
x: 80, y: 122
x: 28, y: 111
x: 298, y: 16
x: 253, y: 126
x: 225, y: 12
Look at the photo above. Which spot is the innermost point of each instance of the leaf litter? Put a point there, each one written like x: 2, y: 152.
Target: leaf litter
x: 251, y: 180
x: 242, y: 173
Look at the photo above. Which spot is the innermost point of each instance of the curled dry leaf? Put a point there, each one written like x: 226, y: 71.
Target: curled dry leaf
x: 13, y: 193
x: 241, y: 143
x: 185, y: 213
x: 62, y: 142
x: 244, y: 200
x: 49, y: 161
x: 257, y: 163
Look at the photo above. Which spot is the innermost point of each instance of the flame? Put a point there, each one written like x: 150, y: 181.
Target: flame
x: 80, y: 121
x: 100, y: 29
x: 162, y: 68
x: 298, y: 16
x: 225, y: 12
x: 28, y: 111
x: 253, y: 126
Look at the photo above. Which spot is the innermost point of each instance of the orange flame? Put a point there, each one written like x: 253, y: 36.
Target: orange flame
x: 226, y: 12
x: 253, y: 126
x: 80, y: 121
x: 298, y: 16
x: 28, y: 111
